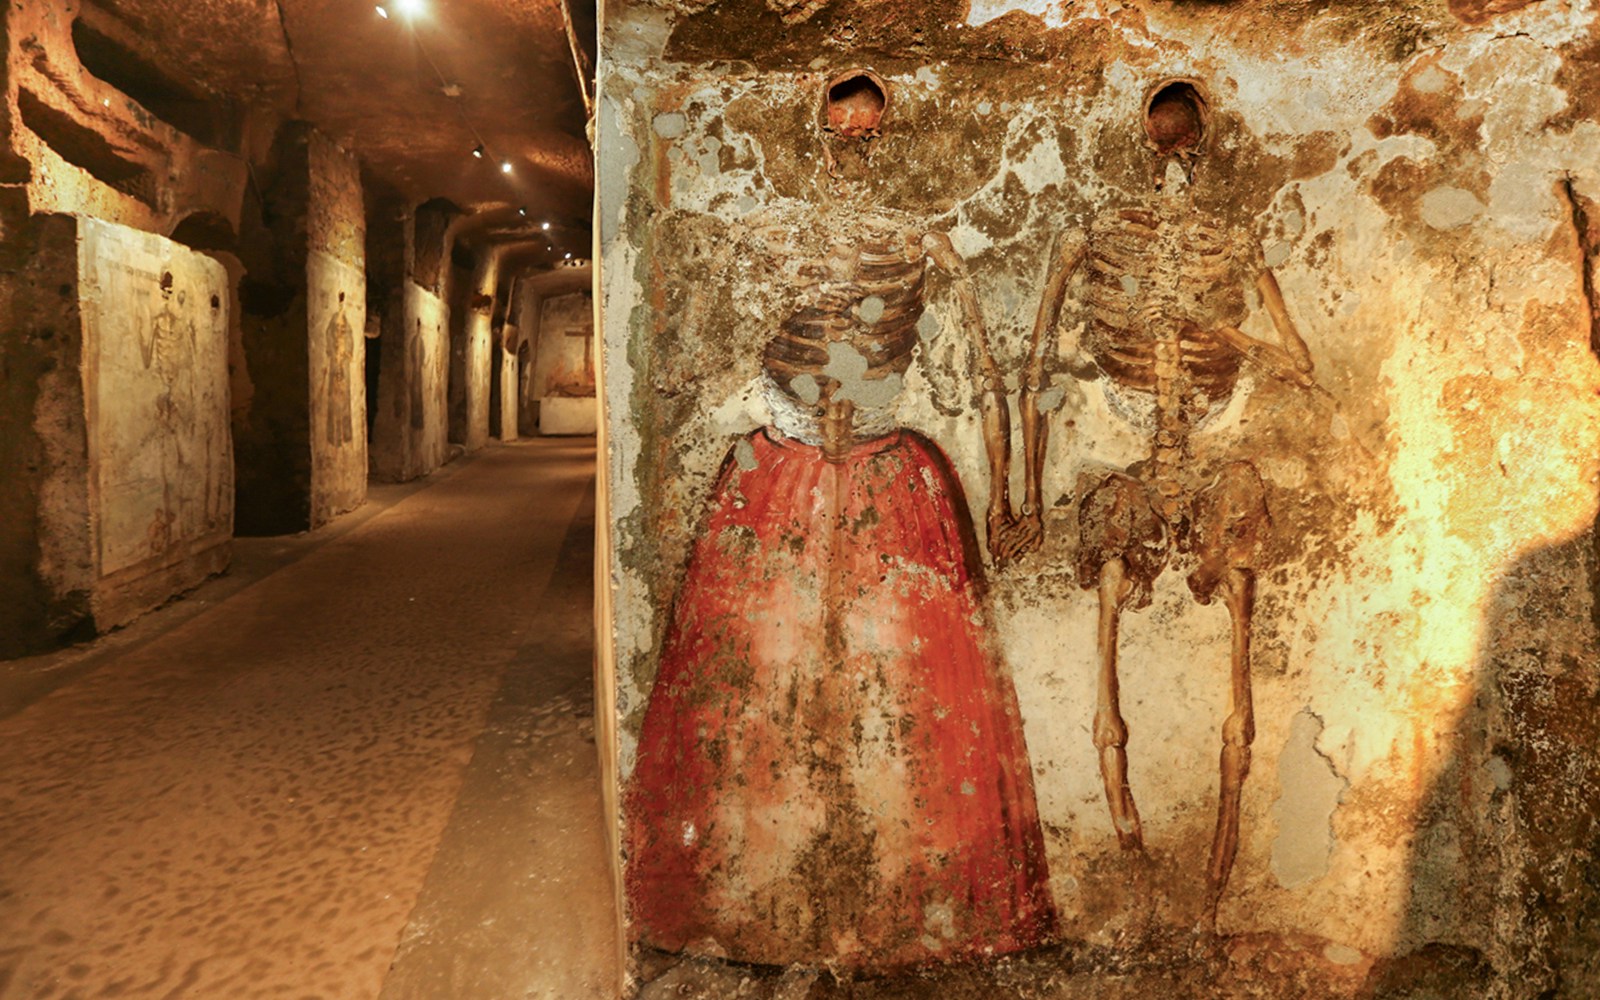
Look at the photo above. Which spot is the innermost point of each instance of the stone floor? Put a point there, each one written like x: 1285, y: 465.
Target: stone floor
x: 1182, y: 967
x: 360, y: 765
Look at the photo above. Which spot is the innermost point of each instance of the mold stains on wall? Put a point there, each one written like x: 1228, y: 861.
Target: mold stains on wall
x: 1483, y: 11
x: 1309, y: 321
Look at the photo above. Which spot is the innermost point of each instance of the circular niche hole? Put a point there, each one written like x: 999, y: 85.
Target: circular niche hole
x: 1175, y: 116
x: 855, y: 103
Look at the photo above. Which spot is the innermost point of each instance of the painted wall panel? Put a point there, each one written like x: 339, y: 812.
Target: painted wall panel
x: 563, y: 369
x: 337, y: 315
x: 156, y: 327
x: 1218, y: 353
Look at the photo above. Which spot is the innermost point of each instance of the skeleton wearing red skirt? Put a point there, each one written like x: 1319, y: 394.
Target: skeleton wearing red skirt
x: 831, y: 769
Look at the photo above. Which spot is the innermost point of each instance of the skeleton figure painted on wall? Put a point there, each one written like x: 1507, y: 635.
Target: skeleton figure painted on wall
x: 1163, y: 292
x: 341, y: 353
x: 831, y: 769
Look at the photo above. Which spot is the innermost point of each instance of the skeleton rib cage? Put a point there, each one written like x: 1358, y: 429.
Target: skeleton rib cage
x: 1158, y: 285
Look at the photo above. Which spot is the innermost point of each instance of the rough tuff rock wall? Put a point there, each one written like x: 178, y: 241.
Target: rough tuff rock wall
x: 510, y: 401
x: 92, y: 148
x: 300, y: 440
x: 126, y: 493
x: 477, y: 353
x: 1421, y: 179
x: 429, y: 344
x: 530, y: 308
x: 72, y: 142
x: 459, y: 293
x: 410, y: 428
x: 337, y: 318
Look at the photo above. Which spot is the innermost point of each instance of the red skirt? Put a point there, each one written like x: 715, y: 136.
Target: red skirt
x: 831, y: 769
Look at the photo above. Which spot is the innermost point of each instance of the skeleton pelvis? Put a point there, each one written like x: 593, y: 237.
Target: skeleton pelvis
x: 1222, y: 525
x: 1118, y: 518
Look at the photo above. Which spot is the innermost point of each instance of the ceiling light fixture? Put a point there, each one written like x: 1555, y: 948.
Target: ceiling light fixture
x: 569, y: 256
x: 383, y: 13
x: 477, y: 152
x: 505, y: 168
x: 522, y: 212
x: 412, y: 8
x: 545, y: 226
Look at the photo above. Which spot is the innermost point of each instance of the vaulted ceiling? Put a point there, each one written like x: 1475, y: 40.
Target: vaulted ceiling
x: 413, y: 94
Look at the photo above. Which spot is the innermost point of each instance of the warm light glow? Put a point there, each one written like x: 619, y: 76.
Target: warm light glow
x: 505, y: 168
x: 477, y: 152
x: 412, y: 8
x: 545, y: 226
x: 569, y: 256
x: 383, y: 13
x: 522, y: 212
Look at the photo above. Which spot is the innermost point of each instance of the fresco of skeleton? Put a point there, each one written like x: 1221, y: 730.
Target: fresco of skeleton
x: 832, y: 768
x: 1293, y: 315
x: 1163, y: 290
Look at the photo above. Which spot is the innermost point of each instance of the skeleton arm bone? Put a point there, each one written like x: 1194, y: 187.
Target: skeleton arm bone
x: 1291, y: 360
x: 1067, y: 254
x: 1293, y: 346
x: 996, y: 413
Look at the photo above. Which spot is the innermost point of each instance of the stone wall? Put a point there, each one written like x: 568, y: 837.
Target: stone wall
x: 477, y: 355
x: 125, y: 496
x: 409, y: 430
x: 1417, y: 180
x: 506, y: 371
x: 336, y: 320
x: 95, y: 149
x: 300, y: 438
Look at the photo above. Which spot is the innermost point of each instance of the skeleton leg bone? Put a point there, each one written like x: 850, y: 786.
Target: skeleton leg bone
x: 1110, y: 730
x: 1238, y: 732
x: 1122, y: 548
x: 1231, y: 524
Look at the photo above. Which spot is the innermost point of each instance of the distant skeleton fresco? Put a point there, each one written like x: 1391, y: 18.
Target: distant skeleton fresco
x: 1163, y: 293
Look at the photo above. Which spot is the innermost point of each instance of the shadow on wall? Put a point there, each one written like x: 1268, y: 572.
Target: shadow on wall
x: 1508, y: 848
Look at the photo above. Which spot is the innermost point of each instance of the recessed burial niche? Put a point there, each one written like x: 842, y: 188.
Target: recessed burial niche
x: 1176, y: 115
x: 854, y: 103
x: 165, y: 98
x: 85, y: 148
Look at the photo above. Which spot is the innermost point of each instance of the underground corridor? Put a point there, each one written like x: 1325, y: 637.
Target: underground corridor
x: 800, y: 499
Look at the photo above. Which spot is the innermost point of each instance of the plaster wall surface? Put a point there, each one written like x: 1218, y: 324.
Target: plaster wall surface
x: 430, y: 327
x: 1421, y: 182
x: 336, y: 318
x: 129, y: 499
x: 155, y: 318
x: 563, y: 369
x: 411, y: 417
x: 477, y: 356
x: 510, y: 397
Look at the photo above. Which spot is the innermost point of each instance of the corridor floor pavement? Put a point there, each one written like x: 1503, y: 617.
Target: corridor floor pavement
x: 368, y: 772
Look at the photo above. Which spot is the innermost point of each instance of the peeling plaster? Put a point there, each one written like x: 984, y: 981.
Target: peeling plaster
x: 1309, y: 790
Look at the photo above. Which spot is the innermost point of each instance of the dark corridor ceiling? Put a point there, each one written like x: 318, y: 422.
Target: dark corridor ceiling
x: 374, y: 85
